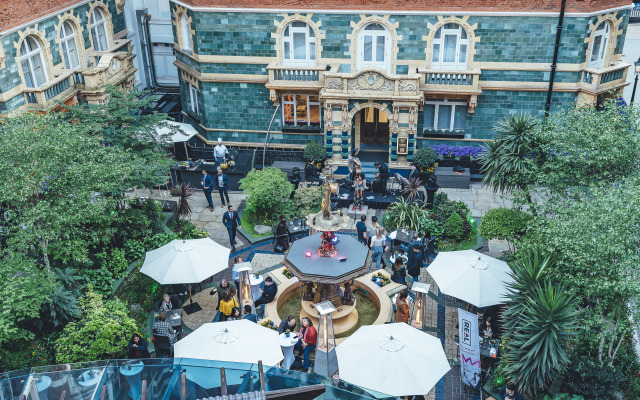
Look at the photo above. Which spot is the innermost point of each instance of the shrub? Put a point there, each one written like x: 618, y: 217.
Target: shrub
x: 103, y: 332
x: 504, y: 224
x: 307, y: 200
x: 114, y: 261
x: 404, y: 214
x: 152, y: 208
x: 268, y: 191
x: 315, y: 151
x: 454, y: 227
x: 425, y: 157
x: 433, y: 225
x: 591, y: 379
x: 101, y: 278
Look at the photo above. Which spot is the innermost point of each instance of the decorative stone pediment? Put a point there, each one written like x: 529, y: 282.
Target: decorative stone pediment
x: 113, y: 68
x: 371, y: 80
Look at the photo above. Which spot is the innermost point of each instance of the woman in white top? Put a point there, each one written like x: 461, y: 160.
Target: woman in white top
x: 166, y: 303
x: 378, y: 243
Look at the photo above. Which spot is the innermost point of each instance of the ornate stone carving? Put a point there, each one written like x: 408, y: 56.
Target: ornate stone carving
x: 334, y: 84
x: 328, y: 116
x: 473, y: 100
x: 370, y: 81
x: 405, y: 86
x: 412, y: 119
x: 393, y: 124
x: 345, y: 117
x: 129, y: 83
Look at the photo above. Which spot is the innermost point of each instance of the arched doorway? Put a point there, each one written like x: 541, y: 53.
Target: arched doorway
x: 374, y: 127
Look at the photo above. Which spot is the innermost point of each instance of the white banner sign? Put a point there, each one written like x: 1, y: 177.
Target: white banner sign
x: 469, y: 348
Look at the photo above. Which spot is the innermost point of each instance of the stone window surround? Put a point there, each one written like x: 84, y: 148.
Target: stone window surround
x: 45, y: 48
x: 193, y: 99
x: 308, y: 105
x: 471, y: 37
x: 288, y: 19
x: 445, y: 102
x: 77, y: 31
x: 108, y: 24
x: 614, y: 31
x: 178, y: 12
x: 364, y: 21
x: 360, y: 61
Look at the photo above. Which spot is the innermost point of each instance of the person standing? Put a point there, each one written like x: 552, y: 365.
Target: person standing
x: 220, y: 152
x: 402, y: 308
x: 207, y: 186
x: 378, y: 242
x: 235, y: 275
x: 307, y: 342
x: 222, y: 185
x: 414, y: 174
x: 399, y: 273
x: 414, y: 263
x: 283, y: 235
x: 431, y: 187
x: 227, y: 304
x: 381, y: 179
x: 231, y: 221
x: 362, y: 230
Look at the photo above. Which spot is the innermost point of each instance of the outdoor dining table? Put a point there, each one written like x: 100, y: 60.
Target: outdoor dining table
x: 174, y: 318
x: 43, y: 387
x: 255, y: 282
x: 132, y: 374
x: 297, y: 227
x: 402, y: 235
x: 287, y: 344
x: 485, y: 346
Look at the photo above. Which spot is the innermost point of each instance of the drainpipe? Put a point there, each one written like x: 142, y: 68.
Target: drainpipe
x: 552, y: 77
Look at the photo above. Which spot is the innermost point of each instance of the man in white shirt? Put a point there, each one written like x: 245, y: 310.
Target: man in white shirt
x: 220, y: 152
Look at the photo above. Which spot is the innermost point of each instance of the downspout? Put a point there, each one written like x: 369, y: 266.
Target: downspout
x: 266, y: 139
x: 552, y: 77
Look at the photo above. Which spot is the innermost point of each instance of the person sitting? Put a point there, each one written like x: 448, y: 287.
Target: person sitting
x: 162, y: 328
x: 283, y: 235
x: 268, y: 293
x: 307, y: 341
x: 488, y: 329
x: 166, y: 303
x: 380, y: 184
x: 310, y: 173
x: 138, y: 347
x: 289, y: 323
x: 227, y: 304
x: 249, y: 315
x: 399, y: 272
x: 360, y: 187
x: 236, y: 315
x: 402, y: 308
x: 510, y: 392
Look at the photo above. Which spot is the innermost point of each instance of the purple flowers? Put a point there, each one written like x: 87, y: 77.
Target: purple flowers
x: 447, y: 151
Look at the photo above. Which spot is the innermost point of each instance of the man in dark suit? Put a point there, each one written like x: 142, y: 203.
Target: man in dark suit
x: 380, y: 184
x: 222, y: 185
x: 207, y: 186
x: 268, y: 293
x: 231, y: 220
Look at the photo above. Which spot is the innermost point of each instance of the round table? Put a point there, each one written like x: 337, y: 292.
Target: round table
x: 43, y: 386
x: 287, y: 344
x: 402, y: 256
x: 255, y: 285
x: 133, y: 377
x: 89, y: 380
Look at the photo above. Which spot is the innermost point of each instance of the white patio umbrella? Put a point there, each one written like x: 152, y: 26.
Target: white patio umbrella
x: 239, y: 341
x: 471, y: 276
x: 185, y: 261
x: 395, y: 359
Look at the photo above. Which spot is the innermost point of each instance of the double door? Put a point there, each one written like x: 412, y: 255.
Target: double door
x: 374, y: 126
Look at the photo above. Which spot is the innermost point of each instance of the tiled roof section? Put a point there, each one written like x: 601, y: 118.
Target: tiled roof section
x: 418, y: 5
x: 17, y: 12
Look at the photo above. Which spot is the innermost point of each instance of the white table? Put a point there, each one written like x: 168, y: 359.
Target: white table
x: 255, y: 285
x: 133, y: 377
x: 287, y: 344
x: 43, y: 386
x: 90, y: 379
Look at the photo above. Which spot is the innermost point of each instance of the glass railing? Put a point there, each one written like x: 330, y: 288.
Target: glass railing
x: 162, y: 379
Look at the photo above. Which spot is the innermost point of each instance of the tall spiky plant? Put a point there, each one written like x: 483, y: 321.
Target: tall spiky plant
x: 184, y: 192
x: 505, y: 160
x: 539, y: 321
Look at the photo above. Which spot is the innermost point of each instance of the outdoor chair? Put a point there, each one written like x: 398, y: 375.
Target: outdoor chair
x: 163, y: 346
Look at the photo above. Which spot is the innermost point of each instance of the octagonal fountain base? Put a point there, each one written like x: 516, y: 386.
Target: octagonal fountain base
x: 343, y: 320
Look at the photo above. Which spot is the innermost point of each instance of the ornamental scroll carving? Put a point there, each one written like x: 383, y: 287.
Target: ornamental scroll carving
x: 406, y: 86
x: 370, y: 81
x: 334, y: 84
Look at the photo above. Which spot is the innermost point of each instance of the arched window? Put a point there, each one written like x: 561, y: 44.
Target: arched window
x: 32, y: 61
x: 450, y: 47
x: 374, y: 47
x: 98, y: 31
x: 69, y: 46
x: 185, y: 34
x: 299, y: 44
x: 599, y: 46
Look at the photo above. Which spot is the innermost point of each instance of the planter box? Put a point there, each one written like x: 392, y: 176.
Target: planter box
x: 300, y: 130
x: 474, y: 166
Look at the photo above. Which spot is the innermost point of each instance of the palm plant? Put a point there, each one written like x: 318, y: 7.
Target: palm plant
x: 540, y: 319
x: 184, y: 192
x: 505, y: 160
x: 404, y: 214
x: 412, y: 189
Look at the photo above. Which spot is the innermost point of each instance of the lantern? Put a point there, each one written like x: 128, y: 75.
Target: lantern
x: 326, y: 363
x: 419, y: 310
x: 245, y: 295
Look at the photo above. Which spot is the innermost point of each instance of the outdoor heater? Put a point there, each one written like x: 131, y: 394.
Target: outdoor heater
x: 419, y: 310
x: 326, y: 360
x: 244, y: 294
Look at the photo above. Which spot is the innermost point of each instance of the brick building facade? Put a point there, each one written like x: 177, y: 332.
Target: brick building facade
x: 387, y: 74
x: 61, y: 50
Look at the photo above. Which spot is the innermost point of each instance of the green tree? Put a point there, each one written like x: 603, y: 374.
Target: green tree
x: 24, y: 288
x: 315, y: 151
x: 103, y: 331
x: 268, y: 191
x: 504, y: 224
x: 453, y: 227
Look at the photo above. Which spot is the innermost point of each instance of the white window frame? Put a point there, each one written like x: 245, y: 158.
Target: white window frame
x: 604, y: 35
x: 462, y: 39
x: 288, y: 51
x: 385, y: 64
x: 193, y: 97
x: 69, y: 44
x: 437, y: 104
x: 30, y: 56
x: 97, y: 24
x: 185, y: 34
x: 295, y: 106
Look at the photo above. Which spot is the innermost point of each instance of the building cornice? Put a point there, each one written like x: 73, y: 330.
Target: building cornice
x: 282, y: 8
x: 50, y: 13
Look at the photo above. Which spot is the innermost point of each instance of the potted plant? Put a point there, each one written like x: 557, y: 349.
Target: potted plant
x: 315, y: 151
x: 287, y: 333
x: 423, y: 160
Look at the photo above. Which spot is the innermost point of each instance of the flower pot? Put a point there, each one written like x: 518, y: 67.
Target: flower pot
x: 287, y: 334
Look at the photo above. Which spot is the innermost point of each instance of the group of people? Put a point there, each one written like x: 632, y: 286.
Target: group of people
x: 307, y: 337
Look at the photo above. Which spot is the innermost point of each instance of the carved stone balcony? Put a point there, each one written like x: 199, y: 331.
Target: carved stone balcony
x: 295, y: 78
x: 46, y: 96
x: 600, y: 81
x: 372, y: 84
x: 448, y: 82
